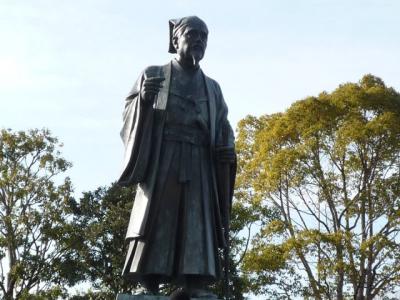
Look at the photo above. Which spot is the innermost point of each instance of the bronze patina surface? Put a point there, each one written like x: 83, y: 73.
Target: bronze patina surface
x: 180, y: 152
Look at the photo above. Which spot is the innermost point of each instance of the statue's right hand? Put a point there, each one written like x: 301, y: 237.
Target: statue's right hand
x: 150, y: 88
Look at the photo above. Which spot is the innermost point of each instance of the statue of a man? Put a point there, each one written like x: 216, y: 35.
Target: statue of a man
x: 180, y: 153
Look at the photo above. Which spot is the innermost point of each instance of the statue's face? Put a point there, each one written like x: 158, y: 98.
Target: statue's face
x: 192, y: 42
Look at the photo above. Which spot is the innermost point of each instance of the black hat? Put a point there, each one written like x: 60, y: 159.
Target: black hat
x: 176, y: 26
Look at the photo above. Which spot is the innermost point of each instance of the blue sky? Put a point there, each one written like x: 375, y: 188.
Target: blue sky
x: 67, y: 65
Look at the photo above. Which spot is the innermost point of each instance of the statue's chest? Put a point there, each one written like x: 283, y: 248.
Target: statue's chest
x: 187, y: 102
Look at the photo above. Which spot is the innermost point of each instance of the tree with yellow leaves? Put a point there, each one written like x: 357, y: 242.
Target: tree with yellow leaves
x: 331, y: 166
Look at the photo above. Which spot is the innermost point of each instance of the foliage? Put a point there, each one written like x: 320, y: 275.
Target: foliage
x: 34, y: 241
x: 330, y: 166
x: 100, y: 221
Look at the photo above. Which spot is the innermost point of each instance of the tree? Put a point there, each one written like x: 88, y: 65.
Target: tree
x: 331, y: 166
x: 100, y: 222
x: 34, y: 250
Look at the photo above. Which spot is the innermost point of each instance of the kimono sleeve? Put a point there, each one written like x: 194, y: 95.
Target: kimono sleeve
x: 226, y: 171
x: 136, y: 136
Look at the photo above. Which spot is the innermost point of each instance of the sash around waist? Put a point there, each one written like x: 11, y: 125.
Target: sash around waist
x: 186, y: 134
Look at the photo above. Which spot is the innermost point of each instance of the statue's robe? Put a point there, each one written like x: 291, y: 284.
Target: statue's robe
x: 175, y: 228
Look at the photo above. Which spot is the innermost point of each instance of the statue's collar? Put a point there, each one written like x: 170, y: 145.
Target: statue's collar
x: 177, y: 65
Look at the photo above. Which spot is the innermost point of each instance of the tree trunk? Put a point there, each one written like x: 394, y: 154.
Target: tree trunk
x: 12, y: 257
x: 340, y: 276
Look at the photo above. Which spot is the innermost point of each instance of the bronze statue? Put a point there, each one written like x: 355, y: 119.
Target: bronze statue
x: 180, y: 153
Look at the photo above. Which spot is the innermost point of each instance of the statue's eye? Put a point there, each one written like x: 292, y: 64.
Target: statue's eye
x: 190, y: 34
x: 194, y: 34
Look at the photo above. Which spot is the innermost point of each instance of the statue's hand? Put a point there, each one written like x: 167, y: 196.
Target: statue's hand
x: 150, y: 88
x: 225, y: 154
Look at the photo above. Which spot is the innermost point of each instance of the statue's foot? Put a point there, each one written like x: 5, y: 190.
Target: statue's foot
x: 179, y: 294
x: 140, y: 291
x: 146, y: 292
x: 151, y: 286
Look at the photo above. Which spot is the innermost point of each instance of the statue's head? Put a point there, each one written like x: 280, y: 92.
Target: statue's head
x: 188, y: 39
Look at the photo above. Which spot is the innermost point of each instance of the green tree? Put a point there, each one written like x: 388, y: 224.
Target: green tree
x: 34, y: 251
x: 331, y: 166
x: 100, y: 222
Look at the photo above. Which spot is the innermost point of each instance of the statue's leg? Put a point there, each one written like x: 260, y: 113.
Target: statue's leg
x: 197, y: 286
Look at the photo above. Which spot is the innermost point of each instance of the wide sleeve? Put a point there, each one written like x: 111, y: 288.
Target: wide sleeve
x: 225, y: 136
x: 226, y: 171
x: 136, y: 136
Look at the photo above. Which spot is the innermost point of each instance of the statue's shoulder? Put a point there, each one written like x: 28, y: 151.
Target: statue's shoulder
x: 214, y: 88
x: 213, y: 84
x: 209, y: 79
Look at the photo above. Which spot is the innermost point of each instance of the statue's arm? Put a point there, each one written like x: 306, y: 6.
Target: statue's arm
x: 141, y: 97
x: 131, y: 107
x: 136, y: 135
x: 225, y: 157
x: 225, y: 144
